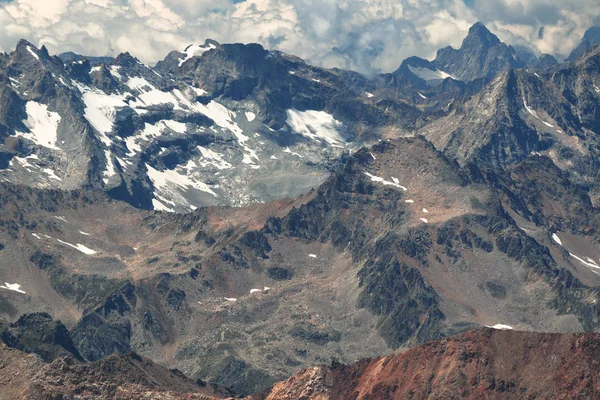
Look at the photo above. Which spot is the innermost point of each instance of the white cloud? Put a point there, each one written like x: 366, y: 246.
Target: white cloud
x: 367, y: 35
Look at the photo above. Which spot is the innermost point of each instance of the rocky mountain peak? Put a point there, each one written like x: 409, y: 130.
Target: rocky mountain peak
x: 482, y: 55
x: 125, y: 60
x: 480, y: 35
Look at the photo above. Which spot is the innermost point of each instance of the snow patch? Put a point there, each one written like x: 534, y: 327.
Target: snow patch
x: 85, y: 250
x: 100, y: 112
x: 425, y: 210
x: 213, y: 158
x: 33, y: 53
x: 369, y: 95
x: 168, y: 181
x: 232, y: 299
x: 409, y: 201
x: 500, y: 326
x: 195, y: 50
x: 287, y: 150
x: 589, y: 263
x: 51, y: 174
x: 138, y: 83
x: 312, y: 255
x: 63, y: 219
x: 15, y: 287
x: 255, y: 291
x: 42, y: 125
x: 250, y: 116
x: 175, y: 126
x: 529, y: 109
x: 556, y: 239
x: 422, y: 95
x: 84, y: 233
x: 35, y: 235
x: 316, y: 125
x: 424, y: 220
x: 395, y: 182
x: 428, y: 74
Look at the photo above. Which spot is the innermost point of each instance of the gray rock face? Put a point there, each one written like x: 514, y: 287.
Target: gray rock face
x: 482, y: 55
x: 590, y: 39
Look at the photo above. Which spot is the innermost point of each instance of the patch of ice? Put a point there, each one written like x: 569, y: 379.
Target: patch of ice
x: 42, y: 125
x: 395, y: 183
x: 424, y: 220
x: 85, y: 250
x: 15, y: 287
x: 556, y: 239
x: 500, y: 326
x: 194, y: 50
x: 316, y: 125
x: 428, y: 74
x: 250, y: 116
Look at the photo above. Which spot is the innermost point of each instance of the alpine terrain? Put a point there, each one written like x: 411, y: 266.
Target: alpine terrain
x: 235, y: 222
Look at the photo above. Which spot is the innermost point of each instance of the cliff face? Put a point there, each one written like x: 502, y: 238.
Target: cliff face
x: 484, y: 364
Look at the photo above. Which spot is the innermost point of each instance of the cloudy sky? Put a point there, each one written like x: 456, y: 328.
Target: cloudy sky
x: 364, y: 35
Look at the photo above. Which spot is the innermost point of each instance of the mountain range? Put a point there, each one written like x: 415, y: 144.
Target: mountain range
x: 233, y: 217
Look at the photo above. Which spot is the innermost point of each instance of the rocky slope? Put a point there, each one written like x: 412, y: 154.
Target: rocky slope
x: 485, y: 364
x: 130, y: 376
